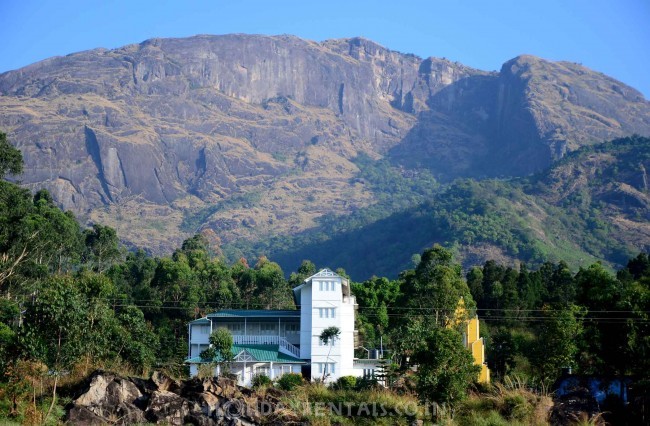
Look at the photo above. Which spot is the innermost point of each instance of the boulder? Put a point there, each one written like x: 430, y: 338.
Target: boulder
x: 163, y: 382
x: 169, y: 408
x: 107, y: 399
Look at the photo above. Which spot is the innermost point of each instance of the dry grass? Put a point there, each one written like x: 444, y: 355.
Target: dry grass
x: 583, y: 419
x: 512, y: 402
x: 318, y: 404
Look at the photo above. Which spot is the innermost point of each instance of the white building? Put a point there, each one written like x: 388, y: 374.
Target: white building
x: 274, y: 342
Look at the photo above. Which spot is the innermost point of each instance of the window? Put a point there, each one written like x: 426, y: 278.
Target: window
x: 234, y: 328
x: 327, y: 312
x: 263, y: 370
x: 286, y: 369
x: 326, y: 285
x: 196, y: 350
x: 291, y: 328
x: 267, y: 328
x: 205, y: 329
x: 331, y: 343
x: 368, y: 373
x: 326, y: 367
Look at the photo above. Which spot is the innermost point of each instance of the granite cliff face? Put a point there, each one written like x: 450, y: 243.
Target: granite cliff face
x: 254, y: 135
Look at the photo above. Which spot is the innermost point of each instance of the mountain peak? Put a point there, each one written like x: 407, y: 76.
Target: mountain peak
x: 237, y: 133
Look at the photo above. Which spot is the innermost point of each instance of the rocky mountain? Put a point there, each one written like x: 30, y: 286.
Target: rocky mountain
x: 248, y: 137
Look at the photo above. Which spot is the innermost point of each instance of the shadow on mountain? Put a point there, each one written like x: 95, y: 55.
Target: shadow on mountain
x: 384, y: 247
x: 465, y: 133
x: 450, y: 136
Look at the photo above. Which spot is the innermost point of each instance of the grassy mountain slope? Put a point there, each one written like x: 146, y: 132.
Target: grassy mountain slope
x: 591, y: 205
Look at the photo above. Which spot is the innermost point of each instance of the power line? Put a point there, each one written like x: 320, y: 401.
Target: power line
x: 265, y: 306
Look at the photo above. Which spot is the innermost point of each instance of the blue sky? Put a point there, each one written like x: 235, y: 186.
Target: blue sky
x: 610, y: 36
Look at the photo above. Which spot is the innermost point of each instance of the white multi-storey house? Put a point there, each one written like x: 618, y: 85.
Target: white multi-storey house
x: 274, y: 342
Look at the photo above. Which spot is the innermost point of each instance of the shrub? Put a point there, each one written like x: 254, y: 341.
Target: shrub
x: 260, y: 380
x: 516, y: 407
x: 290, y: 381
x: 366, y: 384
x: 345, y: 383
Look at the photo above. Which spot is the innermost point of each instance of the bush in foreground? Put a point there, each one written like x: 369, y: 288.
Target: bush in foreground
x: 290, y: 381
x: 260, y: 380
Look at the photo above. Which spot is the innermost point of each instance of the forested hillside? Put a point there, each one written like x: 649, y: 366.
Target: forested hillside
x: 592, y: 205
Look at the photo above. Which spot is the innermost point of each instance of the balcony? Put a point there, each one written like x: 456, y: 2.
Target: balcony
x: 283, y: 344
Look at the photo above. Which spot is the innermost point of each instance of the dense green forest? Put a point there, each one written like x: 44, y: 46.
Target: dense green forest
x: 570, y: 212
x: 73, y: 300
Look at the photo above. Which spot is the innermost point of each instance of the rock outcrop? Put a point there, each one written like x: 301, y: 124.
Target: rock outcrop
x: 108, y: 398
x: 145, y: 136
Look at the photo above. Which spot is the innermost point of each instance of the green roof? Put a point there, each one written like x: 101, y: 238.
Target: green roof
x: 260, y: 353
x: 250, y: 313
x: 200, y: 320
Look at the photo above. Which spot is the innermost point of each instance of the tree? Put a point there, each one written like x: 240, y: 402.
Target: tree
x: 133, y: 277
x: 557, y: 340
x: 9, y: 313
x: 15, y: 204
x: 177, y: 284
x: 102, y: 247
x: 329, y: 336
x: 445, y: 367
x: 197, y: 251
x: 375, y: 296
x: 562, y: 287
x: 55, y: 329
x: 221, y: 342
x: 434, y: 289
x: 272, y: 289
x: 475, y: 283
x: 636, y: 299
x: 11, y: 159
x: 219, y: 286
x: 639, y: 266
x: 244, y: 278
x: 503, y: 350
x: 306, y: 269
x: 605, y: 348
x: 135, y: 341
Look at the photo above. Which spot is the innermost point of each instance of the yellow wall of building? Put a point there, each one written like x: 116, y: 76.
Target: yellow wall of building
x: 472, y: 340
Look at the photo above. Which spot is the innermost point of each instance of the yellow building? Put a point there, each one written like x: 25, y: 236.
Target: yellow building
x: 472, y: 339
x: 475, y: 344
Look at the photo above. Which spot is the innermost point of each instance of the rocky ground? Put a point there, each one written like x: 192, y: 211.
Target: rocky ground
x: 107, y: 398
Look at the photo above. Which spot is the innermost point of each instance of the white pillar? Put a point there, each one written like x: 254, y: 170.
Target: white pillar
x: 272, y: 372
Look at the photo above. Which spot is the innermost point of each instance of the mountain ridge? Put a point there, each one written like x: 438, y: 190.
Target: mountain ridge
x: 149, y: 135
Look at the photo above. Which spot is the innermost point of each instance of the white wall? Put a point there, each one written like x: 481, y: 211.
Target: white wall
x: 200, y: 333
x: 342, y: 352
x: 347, y: 337
x: 305, y: 322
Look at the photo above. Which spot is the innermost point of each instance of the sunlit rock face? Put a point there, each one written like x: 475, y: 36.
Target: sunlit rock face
x: 180, y: 124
